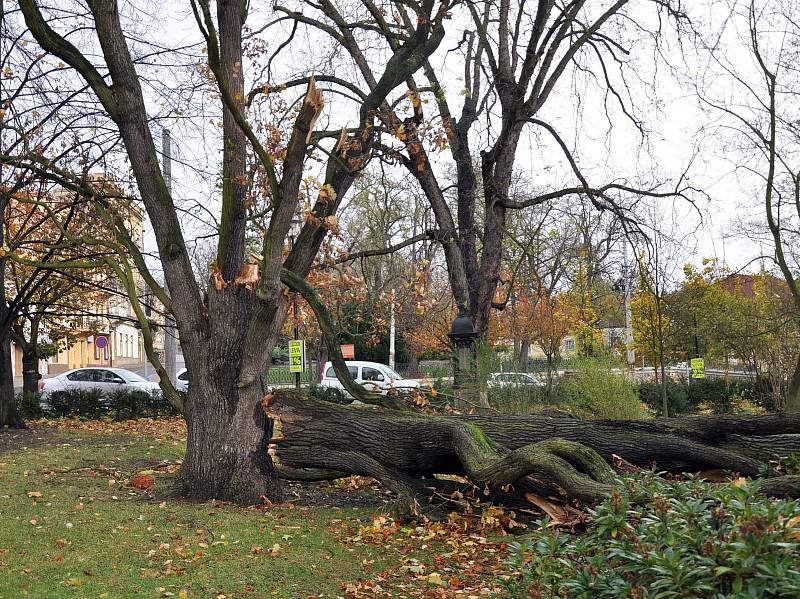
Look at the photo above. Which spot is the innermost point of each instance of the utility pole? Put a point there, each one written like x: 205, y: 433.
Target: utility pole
x: 169, y: 322
x: 391, y: 334
x: 626, y: 282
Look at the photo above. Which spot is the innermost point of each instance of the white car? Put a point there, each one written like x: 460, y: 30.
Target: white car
x: 374, y: 376
x: 182, y: 381
x: 107, y: 380
x: 513, y: 379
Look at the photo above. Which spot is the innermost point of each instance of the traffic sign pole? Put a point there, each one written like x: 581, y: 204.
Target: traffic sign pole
x: 698, y: 367
x: 297, y: 362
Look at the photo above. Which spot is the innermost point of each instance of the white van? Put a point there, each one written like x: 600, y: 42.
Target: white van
x: 374, y: 377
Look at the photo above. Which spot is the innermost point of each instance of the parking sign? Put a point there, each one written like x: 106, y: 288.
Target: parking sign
x: 698, y: 368
x: 297, y: 352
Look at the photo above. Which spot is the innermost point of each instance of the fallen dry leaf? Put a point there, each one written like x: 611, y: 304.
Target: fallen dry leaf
x: 145, y: 482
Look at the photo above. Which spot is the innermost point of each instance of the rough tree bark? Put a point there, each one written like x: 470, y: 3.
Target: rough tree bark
x: 30, y: 370
x: 9, y: 415
x: 544, y: 454
x: 30, y: 353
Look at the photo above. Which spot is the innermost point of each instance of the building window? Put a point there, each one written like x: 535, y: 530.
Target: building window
x: 569, y: 345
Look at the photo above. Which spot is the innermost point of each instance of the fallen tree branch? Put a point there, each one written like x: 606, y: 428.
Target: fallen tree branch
x: 510, y: 455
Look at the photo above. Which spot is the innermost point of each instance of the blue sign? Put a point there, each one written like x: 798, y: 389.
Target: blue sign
x: 101, y: 341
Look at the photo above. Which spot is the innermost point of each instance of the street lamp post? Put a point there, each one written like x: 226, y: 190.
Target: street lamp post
x: 462, y: 338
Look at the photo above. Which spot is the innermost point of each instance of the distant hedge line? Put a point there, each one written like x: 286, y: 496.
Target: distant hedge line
x: 92, y: 403
x: 718, y: 395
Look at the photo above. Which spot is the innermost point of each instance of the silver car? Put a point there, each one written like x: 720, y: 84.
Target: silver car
x: 104, y: 379
x: 513, y: 379
x: 374, y: 376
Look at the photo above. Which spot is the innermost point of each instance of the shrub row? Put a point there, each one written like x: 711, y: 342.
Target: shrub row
x: 591, y: 390
x: 719, y: 395
x: 594, y: 390
x: 92, y: 403
x: 667, y: 540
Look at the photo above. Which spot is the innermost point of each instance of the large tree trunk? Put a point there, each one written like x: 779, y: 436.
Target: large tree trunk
x: 413, y: 364
x: 533, y: 452
x: 226, y: 453
x: 9, y: 416
x: 524, y: 350
x: 30, y: 369
x: 549, y: 358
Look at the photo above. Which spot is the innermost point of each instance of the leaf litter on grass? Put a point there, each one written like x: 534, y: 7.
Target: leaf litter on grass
x: 461, y: 555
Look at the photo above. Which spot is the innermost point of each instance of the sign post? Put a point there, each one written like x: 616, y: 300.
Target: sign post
x: 297, y: 354
x: 698, y: 368
x: 102, y: 350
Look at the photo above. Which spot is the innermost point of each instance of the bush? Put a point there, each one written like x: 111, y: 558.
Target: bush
x: 718, y: 395
x: 678, y: 398
x: 89, y: 403
x: 667, y: 540
x: 125, y: 404
x: 762, y: 393
x: 595, y: 390
x: 28, y: 406
x: 122, y: 404
x: 522, y: 399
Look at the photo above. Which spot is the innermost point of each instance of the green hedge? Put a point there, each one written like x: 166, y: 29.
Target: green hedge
x: 28, y: 406
x: 718, y: 395
x: 124, y: 405
x: 121, y: 404
x: 595, y: 390
x: 667, y: 540
x: 88, y: 403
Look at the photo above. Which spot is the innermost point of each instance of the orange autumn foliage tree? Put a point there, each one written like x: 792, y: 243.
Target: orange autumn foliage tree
x: 53, y: 272
x: 535, y: 318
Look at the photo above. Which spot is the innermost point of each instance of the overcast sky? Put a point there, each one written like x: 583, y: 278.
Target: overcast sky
x: 681, y: 135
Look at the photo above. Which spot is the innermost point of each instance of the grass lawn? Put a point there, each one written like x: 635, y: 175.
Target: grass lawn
x: 72, y: 526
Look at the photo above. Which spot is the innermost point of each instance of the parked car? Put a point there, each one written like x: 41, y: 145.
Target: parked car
x: 182, y: 381
x: 104, y: 379
x: 513, y: 379
x: 374, y: 377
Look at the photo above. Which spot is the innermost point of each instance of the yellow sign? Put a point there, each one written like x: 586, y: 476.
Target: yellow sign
x: 698, y: 368
x: 297, y: 351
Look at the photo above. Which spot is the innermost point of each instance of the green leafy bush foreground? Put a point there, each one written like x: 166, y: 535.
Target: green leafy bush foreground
x: 664, y: 540
x: 28, y: 405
